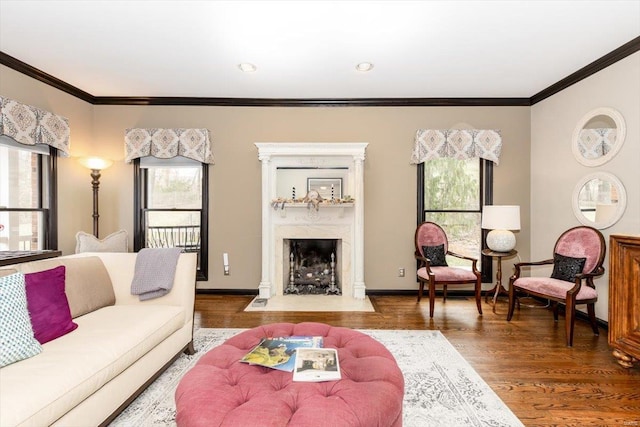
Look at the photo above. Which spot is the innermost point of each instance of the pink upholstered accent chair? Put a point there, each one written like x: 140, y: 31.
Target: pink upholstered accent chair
x: 432, y: 246
x: 578, y: 257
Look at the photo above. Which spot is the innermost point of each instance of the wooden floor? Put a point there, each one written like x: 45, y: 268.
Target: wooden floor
x: 524, y: 361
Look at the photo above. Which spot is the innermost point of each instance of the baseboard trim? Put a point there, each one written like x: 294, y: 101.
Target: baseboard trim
x: 226, y: 291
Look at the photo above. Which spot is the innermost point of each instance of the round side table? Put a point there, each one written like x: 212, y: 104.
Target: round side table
x: 498, y: 289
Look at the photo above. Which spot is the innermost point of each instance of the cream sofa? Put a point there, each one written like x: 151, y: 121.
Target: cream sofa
x: 89, y: 375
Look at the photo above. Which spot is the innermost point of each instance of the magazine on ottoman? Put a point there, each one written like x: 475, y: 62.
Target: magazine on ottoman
x: 279, y: 353
x: 316, y: 364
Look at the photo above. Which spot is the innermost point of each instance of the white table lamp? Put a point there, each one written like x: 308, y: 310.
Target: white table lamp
x: 501, y: 220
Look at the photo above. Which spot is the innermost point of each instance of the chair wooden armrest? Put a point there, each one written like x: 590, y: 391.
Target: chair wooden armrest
x: 524, y: 264
x: 588, y: 278
x: 474, y: 261
x: 424, y: 262
x: 597, y: 273
x: 462, y: 256
x: 518, y: 265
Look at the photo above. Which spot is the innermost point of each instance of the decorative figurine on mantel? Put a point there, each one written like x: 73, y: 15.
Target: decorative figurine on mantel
x: 312, y: 198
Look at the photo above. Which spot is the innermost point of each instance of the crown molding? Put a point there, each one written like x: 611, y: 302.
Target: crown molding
x: 311, y: 102
x: 37, y: 74
x: 614, y: 56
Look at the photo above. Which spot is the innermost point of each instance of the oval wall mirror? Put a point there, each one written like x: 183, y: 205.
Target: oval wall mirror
x: 599, y: 200
x: 598, y: 136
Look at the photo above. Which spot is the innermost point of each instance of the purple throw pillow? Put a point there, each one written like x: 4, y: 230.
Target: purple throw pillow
x: 48, y: 305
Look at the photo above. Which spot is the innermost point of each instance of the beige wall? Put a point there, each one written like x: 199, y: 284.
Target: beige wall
x: 235, y: 215
x: 555, y: 172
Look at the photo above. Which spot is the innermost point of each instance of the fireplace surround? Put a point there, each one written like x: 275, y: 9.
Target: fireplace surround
x: 295, y: 217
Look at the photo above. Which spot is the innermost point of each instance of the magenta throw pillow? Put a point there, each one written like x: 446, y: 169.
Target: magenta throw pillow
x: 48, y: 305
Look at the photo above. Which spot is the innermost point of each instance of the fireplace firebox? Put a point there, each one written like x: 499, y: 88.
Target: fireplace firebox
x: 312, y: 266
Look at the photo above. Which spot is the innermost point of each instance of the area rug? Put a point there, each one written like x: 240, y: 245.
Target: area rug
x: 441, y: 388
x: 313, y: 303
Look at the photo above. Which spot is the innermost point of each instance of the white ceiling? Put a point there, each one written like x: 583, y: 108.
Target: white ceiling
x: 309, y: 49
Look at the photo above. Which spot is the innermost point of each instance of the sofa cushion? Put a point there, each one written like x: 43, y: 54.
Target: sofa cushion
x: 48, y: 304
x: 555, y: 288
x: 448, y: 274
x: 7, y: 271
x: 82, y: 298
x: 106, y: 343
x: 114, y: 242
x: 79, y: 272
x: 16, y: 335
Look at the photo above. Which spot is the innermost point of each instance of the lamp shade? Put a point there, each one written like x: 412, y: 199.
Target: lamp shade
x: 496, y: 217
x: 95, y: 163
x: 500, y: 220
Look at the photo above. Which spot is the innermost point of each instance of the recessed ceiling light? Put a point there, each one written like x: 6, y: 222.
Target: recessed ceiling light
x: 364, y: 66
x: 247, y: 67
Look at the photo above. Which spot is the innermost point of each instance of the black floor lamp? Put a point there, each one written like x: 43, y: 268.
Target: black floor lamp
x: 96, y: 164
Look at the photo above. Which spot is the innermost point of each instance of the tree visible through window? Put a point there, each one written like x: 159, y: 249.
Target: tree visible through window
x: 452, y: 195
x: 172, y: 209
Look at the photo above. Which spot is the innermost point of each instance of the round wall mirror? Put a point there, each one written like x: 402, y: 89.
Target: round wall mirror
x: 599, y: 200
x: 598, y: 136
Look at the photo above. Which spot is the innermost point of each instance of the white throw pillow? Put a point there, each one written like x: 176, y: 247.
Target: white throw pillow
x: 114, y: 242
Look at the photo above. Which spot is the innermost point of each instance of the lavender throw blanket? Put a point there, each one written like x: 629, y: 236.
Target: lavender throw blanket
x: 154, y: 272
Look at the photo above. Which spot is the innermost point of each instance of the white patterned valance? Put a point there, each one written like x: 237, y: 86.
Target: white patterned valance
x: 596, y: 142
x: 168, y: 143
x: 457, y: 144
x: 30, y: 125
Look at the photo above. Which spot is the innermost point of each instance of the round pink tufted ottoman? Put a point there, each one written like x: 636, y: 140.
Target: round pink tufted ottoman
x: 221, y: 391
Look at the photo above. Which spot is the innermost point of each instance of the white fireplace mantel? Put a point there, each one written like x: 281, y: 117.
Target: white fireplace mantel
x: 346, y: 224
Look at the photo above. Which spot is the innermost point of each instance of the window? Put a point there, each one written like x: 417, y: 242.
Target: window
x: 171, y: 203
x: 28, y: 220
x: 451, y: 193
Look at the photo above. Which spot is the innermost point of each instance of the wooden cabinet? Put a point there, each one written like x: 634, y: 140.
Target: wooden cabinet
x: 624, y: 299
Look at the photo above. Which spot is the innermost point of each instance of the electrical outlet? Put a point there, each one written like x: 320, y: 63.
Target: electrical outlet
x: 401, y: 272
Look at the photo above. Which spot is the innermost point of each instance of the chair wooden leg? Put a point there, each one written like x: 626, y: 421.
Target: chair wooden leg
x: 512, y: 301
x: 432, y: 297
x: 420, y: 290
x: 591, y: 309
x: 444, y: 293
x: 569, y: 319
x: 555, y: 311
x: 479, y: 296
